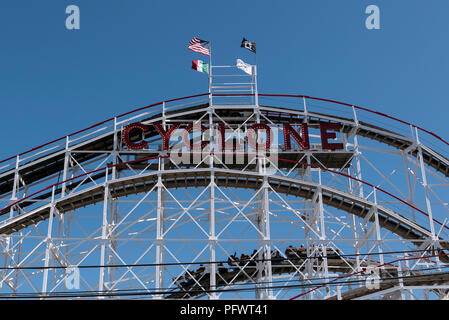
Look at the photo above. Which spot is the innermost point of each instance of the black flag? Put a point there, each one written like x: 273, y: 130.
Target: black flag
x: 248, y: 45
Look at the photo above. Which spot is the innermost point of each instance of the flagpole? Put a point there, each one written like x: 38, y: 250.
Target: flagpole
x: 210, y: 74
x: 256, y: 98
x: 255, y: 57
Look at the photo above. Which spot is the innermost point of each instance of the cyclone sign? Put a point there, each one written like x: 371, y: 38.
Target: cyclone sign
x: 327, y: 133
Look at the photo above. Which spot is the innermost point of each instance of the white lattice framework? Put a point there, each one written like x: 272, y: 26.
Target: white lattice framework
x: 138, y: 225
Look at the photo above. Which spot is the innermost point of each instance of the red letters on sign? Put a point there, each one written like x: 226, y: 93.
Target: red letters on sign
x: 324, y: 126
x: 302, y: 140
x: 127, y: 132
x: 165, y: 134
x: 254, y: 128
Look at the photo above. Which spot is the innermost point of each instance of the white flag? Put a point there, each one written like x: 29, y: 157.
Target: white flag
x: 244, y: 66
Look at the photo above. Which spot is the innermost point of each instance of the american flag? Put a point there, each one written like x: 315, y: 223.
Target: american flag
x: 200, y: 46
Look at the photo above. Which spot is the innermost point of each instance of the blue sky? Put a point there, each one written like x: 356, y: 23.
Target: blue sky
x: 129, y: 54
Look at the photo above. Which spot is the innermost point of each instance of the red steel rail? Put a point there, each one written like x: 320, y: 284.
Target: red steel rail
x: 226, y: 95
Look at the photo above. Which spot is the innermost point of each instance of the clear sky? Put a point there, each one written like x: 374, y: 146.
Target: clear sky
x: 132, y: 53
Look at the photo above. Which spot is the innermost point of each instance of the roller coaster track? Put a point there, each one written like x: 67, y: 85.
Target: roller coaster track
x: 38, y: 169
x: 50, y: 164
x: 248, y: 273
x: 53, y: 163
x: 391, y: 285
x: 350, y: 203
x: 390, y: 277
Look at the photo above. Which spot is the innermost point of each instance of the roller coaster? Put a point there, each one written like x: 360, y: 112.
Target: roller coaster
x: 350, y: 204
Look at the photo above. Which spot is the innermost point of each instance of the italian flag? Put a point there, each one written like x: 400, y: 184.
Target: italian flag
x: 200, y: 66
